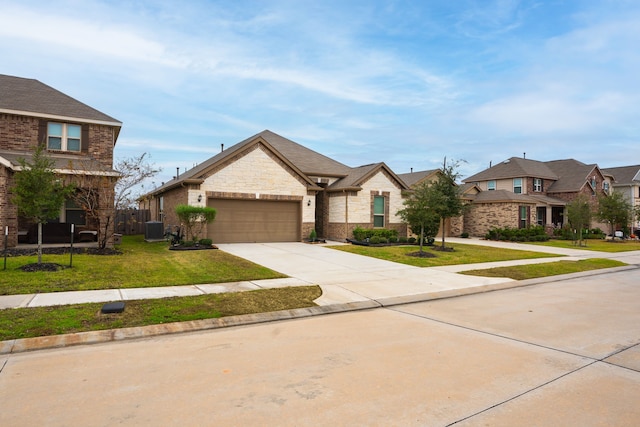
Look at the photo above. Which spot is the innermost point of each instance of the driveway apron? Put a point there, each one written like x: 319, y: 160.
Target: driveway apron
x: 347, y: 277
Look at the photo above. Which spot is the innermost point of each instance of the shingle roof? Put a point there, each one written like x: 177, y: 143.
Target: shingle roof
x: 500, y: 196
x: 514, y: 167
x: 306, y: 161
x: 19, y: 96
x: 413, y: 178
x: 572, y: 175
x: 624, y: 174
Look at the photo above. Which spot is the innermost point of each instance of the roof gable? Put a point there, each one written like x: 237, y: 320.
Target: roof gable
x: 208, y: 167
x: 360, y: 175
x: 628, y: 175
x: 414, y: 178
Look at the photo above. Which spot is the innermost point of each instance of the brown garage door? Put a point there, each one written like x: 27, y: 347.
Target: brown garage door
x: 243, y: 221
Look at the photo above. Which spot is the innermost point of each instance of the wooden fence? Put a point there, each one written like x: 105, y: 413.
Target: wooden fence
x: 131, y: 221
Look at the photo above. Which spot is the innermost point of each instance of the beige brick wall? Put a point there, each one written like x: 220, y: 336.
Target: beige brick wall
x: 258, y: 173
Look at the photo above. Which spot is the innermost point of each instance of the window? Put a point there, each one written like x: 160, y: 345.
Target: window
x: 74, y: 214
x: 491, y: 185
x: 63, y: 137
x: 524, y: 216
x: 537, y: 185
x: 605, y: 186
x: 517, y: 185
x: 378, y: 211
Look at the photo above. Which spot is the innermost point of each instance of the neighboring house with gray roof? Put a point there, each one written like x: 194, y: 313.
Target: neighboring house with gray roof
x: 519, y: 192
x: 269, y: 188
x: 78, y: 138
x: 626, y: 180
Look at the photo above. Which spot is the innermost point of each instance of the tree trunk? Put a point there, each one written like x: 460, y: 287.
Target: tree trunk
x: 39, y: 243
x: 421, y: 237
x: 442, y: 230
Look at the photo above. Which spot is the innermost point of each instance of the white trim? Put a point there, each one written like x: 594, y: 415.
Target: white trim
x: 57, y: 117
x: 6, y: 163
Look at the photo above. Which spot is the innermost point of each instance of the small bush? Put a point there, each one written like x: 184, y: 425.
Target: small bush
x: 411, y: 240
x: 393, y: 239
x: 402, y: 239
x: 206, y: 242
x: 383, y: 240
x: 361, y: 234
x: 374, y: 240
x: 313, y: 235
x: 465, y: 235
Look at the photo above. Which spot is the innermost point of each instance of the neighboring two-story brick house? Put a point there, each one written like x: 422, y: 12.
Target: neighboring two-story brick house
x: 269, y: 188
x: 78, y: 139
x: 519, y: 192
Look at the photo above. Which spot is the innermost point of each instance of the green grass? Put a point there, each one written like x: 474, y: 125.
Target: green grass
x: 594, y: 245
x: 523, y: 272
x: 44, y: 321
x: 462, y: 254
x: 140, y: 265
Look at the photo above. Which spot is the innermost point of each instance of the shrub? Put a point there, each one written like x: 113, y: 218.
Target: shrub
x: 402, y: 239
x: 313, y: 235
x: 411, y: 240
x: 465, y: 235
x: 529, y: 234
x: 361, y: 234
x: 206, y: 242
x: 383, y: 240
x: 374, y: 240
x: 393, y: 239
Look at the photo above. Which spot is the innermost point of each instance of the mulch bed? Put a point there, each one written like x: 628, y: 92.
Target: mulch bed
x: 59, y: 251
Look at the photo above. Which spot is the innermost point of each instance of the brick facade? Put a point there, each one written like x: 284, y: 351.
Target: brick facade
x: 481, y: 217
x: 21, y: 134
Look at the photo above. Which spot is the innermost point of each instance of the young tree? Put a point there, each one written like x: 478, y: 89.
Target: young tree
x: 416, y: 213
x: 38, y: 192
x: 94, y: 194
x: 443, y: 197
x: 579, y: 216
x: 613, y: 209
x: 133, y: 172
x: 194, y: 219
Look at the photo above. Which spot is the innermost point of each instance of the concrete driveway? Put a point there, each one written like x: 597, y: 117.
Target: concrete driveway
x: 346, y: 277
x: 561, y: 353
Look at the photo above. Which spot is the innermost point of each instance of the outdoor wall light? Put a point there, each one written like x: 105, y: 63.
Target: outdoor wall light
x: 309, y: 202
x: 199, y: 198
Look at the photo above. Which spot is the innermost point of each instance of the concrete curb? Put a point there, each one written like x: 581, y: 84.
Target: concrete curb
x: 110, y: 335
x: 96, y: 337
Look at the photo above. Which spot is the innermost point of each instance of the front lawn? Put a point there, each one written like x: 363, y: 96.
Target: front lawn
x: 594, y: 245
x: 44, y: 321
x: 532, y: 271
x: 140, y: 265
x: 462, y: 254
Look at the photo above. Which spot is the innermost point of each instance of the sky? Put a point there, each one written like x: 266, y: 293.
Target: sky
x: 403, y: 82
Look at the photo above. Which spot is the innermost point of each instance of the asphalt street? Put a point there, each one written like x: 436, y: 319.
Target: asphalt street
x: 559, y: 353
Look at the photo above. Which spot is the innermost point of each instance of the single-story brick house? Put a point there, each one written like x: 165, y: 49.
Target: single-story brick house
x: 268, y: 188
x: 78, y: 139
